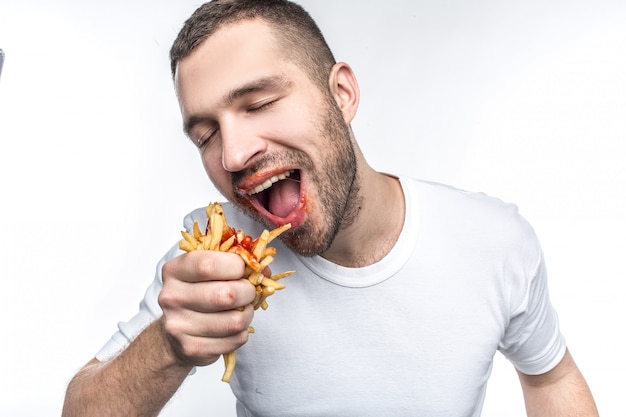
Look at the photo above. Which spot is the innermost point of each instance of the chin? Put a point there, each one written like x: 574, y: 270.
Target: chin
x: 306, y: 240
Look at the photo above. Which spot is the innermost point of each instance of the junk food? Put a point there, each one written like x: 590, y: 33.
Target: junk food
x: 254, y: 252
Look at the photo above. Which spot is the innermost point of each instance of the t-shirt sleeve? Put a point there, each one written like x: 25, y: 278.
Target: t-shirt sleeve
x: 533, y: 341
x: 149, y: 310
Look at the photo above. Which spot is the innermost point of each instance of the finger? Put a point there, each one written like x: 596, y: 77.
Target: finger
x: 200, y: 338
x: 205, y: 297
x: 222, y: 324
x: 204, y: 265
x: 200, y: 351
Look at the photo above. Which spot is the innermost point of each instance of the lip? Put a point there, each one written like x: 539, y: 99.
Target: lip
x: 246, y: 187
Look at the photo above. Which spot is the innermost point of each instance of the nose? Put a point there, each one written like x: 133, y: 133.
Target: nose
x: 240, y: 145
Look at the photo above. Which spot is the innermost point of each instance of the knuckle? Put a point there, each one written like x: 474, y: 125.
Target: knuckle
x: 206, y: 265
x: 236, y: 323
x: 242, y: 337
x: 167, y: 270
x: 166, y: 299
x: 173, y: 328
x: 224, y: 295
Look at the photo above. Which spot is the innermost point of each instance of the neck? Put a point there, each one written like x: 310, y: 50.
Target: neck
x: 378, y: 223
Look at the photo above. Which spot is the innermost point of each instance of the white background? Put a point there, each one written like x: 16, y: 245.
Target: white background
x: 522, y: 100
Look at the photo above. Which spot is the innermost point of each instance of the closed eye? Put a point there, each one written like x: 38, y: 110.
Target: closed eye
x: 204, y: 139
x: 261, y: 106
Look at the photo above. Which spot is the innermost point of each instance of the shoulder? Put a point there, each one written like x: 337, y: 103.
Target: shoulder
x: 460, y: 213
x: 465, y: 205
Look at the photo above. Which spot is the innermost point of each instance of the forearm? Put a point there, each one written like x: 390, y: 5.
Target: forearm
x: 562, y: 392
x: 138, y: 382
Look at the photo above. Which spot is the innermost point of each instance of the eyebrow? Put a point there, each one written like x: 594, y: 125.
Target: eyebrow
x: 271, y: 82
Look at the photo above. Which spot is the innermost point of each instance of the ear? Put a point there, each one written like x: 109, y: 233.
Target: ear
x: 345, y: 90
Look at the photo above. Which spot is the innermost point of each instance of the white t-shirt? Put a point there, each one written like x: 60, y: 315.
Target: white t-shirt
x: 412, y: 335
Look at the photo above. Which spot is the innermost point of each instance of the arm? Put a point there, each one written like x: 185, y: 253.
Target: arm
x: 561, y: 392
x: 200, y: 296
x: 139, y: 381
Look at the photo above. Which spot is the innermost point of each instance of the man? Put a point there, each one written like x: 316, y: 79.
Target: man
x: 404, y: 290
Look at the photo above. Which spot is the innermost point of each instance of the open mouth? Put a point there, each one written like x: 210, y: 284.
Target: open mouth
x: 279, y: 197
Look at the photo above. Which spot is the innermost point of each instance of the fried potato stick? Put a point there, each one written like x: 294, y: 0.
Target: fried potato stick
x: 255, y: 254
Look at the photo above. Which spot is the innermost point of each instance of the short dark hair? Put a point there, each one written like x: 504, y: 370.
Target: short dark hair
x: 299, y: 37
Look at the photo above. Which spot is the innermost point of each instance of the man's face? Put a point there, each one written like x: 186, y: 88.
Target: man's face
x: 271, y: 141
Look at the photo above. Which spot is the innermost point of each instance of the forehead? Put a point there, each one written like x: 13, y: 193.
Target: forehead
x: 236, y: 53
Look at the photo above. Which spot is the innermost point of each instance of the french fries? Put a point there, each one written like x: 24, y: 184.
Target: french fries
x: 254, y: 252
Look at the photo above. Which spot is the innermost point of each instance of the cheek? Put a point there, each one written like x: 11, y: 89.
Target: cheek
x: 289, y: 126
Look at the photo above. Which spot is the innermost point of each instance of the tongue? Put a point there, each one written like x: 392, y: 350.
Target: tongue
x: 283, y: 198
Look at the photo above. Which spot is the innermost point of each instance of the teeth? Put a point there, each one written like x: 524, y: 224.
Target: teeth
x: 268, y: 183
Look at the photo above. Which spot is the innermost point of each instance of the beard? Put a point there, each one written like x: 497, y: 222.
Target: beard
x: 337, y: 188
x: 334, y: 182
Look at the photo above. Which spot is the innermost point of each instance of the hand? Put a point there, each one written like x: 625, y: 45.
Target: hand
x: 206, y: 305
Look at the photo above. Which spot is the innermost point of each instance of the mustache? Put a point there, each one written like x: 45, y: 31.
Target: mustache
x: 290, y: 159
